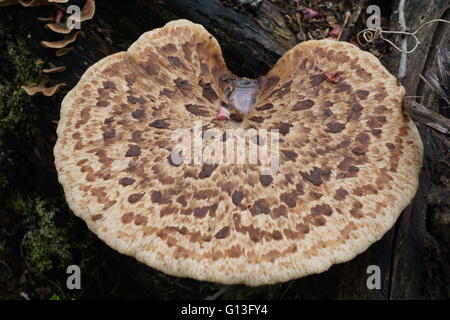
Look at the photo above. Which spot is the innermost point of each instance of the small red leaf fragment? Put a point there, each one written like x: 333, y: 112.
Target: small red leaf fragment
x: 336, y: 31
x: 333, y: 77
x: 58, y: 16
x: 309, y: 14
x: 222, y: 114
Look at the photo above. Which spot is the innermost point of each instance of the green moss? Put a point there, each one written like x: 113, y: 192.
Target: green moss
x: 30, y: 216
x: 55, y: 297
x: 36, y: 225
x: 16, y: 114
x: 44, y: 244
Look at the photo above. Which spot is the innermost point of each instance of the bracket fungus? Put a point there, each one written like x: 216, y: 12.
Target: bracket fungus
x: 55, y: 25
x: 42, y: 88
x: 30, y: 3
x: 349, y: 158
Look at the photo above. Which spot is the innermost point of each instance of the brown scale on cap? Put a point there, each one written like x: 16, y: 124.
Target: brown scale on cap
x: 349, y: 158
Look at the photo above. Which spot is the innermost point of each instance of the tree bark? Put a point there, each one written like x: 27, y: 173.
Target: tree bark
x: 257, y: 38
x: 420, y: 267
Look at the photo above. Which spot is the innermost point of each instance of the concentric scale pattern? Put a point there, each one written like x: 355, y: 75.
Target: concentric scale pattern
x: 349, y: 159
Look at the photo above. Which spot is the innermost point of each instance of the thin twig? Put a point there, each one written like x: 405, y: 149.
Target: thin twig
x: 301, y: 34
x: 287, y: 289
x: 24, y: 295
x: 57, y: 286
x: 218, y: 294
x: 425, y: 80
x: 413, y: 97
x: 348, y: 30
x: 367, y: 36
x: 344, y: 26
x: 404, y: 43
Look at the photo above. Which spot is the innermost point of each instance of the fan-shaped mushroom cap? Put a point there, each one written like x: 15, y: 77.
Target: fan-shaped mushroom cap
x: 7, y: 2
x: 58, y: 28
x: 63, y: 51
x: 62, y: 43
x: 54, y: 69
x: 30, y: 3
x: 87, y: 13
x: 41, y: 88
x: 349, y: 159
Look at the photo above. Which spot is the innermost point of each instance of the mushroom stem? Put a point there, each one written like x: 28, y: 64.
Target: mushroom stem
x: 242, y: 94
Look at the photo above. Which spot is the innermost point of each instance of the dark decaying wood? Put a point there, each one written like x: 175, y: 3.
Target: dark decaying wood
x: 424, y: 115
x: 420, y: 261
x: 414, y: 255
x: 251, y: 41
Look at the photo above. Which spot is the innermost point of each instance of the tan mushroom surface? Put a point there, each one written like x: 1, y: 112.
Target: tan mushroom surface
x: 7, y: 2
x: 62, y: 43
x: 63, y: 51
x: 42, y: 88
x: 87, y: 13
x: 349, y: 158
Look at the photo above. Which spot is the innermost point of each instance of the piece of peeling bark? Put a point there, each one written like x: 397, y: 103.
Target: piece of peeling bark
x: 61, y: 43
x: 63, y: 51
x: 54, y: 70
x: 41, y: 88
x: 427, y: 117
